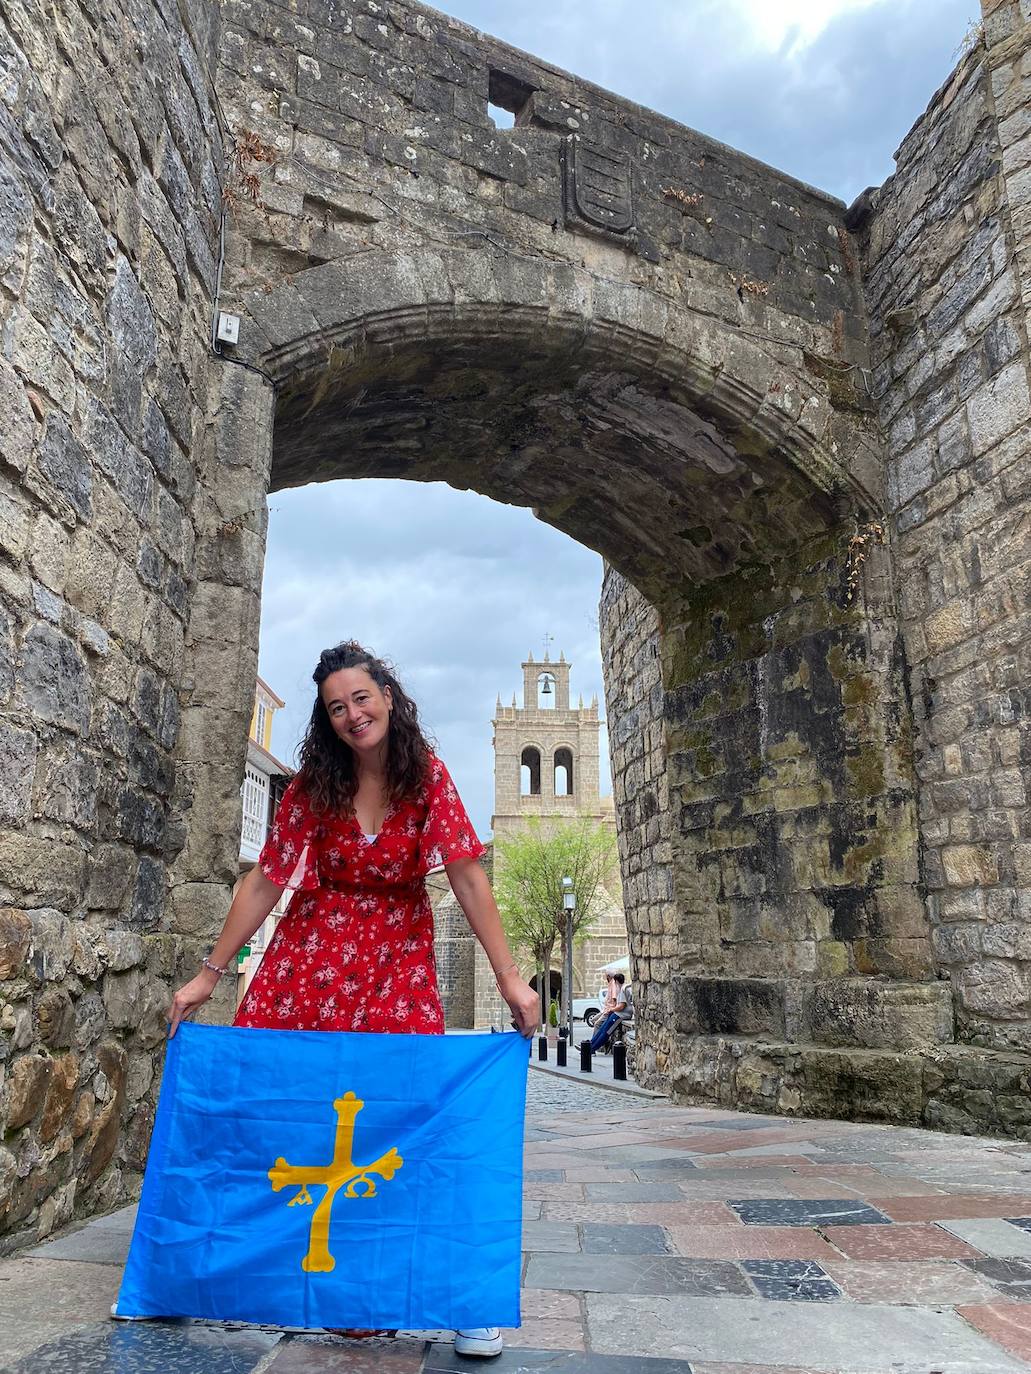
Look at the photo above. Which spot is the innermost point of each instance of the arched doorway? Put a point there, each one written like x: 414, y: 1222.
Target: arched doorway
x: 714, y: 477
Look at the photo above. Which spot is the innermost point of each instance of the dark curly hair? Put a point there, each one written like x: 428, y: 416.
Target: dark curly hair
x: 327, y: 765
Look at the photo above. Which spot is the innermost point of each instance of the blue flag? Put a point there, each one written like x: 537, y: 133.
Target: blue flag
x: 313, y: 1178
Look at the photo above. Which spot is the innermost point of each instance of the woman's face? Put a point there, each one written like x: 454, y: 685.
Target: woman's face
x: 358, y: 709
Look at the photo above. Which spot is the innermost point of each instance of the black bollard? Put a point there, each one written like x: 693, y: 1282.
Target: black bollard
x: 619, y: 1061
x: 560, y: 1053
x: 585, y: 1057
x: 542, y: 1048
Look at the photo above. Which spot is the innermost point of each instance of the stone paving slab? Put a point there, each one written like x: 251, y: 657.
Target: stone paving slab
x: 751, y: 1242
x: 839, y: 1337
x: 926, y: 1283
x: 634, y: 1274
x: 103, y: 1245
x: 41, y: 1300
x: 906, y: 1242
x: 351, y: 1357
x: 1006, y: 1322
x: 992, y: 1236
x: 695, y: 1279
x: 148, y: 1348
x: 443, y: 1358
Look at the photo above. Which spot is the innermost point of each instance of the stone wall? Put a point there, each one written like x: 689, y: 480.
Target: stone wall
x: 903, y: 999
x: 944, y: 246
x: 659, y: 943
x: 109, y: 206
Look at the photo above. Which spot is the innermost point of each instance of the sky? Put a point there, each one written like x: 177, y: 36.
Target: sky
x: 456, y: 589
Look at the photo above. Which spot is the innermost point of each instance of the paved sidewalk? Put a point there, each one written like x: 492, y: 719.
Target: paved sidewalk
x: 659, y: 1240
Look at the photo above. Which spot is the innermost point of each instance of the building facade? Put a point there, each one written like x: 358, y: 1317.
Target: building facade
x: 265, y: 779
x: 547, y: 767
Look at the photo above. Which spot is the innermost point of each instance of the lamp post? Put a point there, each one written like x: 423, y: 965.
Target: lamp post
x: 569, y: 907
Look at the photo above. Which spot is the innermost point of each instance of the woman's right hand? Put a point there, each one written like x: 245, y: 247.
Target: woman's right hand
x: 189, y: 997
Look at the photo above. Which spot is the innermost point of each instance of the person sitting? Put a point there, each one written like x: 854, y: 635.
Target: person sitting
x: 622, y: 1011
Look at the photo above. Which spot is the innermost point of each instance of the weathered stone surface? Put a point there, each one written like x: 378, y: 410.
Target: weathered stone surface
x: 27, y: 1078
x: 15, y: 939
x: 54, y: 681
x: 60, y: 1093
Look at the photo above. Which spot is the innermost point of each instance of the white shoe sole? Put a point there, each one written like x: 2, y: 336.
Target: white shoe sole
x: 479, y: 1349
x: 116, y: 1316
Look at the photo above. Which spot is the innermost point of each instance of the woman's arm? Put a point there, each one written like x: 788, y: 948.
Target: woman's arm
x: 471, y: 887
x: 255, y: 898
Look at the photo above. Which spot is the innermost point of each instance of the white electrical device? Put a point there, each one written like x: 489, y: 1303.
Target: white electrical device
x: 228, y: 330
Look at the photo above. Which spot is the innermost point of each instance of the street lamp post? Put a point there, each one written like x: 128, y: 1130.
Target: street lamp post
x: 569, y: 907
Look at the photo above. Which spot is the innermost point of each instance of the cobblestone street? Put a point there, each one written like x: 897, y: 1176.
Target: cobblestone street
x: 658, y: 1240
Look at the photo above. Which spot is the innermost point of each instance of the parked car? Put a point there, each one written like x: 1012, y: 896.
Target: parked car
x: 586, y: 1009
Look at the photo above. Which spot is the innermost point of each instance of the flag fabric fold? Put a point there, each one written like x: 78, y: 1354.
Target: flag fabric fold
x: 312, y: 1179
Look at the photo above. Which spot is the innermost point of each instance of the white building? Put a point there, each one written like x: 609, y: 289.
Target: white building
x: 264, y: 782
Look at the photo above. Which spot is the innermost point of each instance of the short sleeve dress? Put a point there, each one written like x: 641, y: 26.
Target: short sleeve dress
x: 354, y: 951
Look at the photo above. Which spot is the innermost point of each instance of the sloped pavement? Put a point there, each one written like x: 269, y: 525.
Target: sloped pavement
x: 658, y: 1240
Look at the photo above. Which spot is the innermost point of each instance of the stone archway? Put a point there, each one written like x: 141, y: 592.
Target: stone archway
x: 723, y: 482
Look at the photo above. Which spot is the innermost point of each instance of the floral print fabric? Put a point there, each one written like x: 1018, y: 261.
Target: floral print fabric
x: 354, y: 951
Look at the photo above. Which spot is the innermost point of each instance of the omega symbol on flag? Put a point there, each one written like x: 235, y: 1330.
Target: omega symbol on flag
x: 332, y: 1176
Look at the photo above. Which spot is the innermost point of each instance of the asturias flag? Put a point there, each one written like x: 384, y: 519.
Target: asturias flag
x: 311, y: 1178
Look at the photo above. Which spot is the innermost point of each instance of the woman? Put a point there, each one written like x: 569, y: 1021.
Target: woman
x: 370, y: 812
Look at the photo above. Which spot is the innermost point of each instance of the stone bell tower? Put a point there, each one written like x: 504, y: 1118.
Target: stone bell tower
x: 546, y: 752
x: 546, y: 766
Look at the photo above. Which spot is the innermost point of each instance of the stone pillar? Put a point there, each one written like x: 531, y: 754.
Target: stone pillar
x: 221, y: 664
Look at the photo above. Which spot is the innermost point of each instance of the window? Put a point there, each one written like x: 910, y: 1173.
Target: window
x: 563, y: 772
x: 259, y: 723
x: 507, y: 100
x: 255, y: 808
x: 530, y: 773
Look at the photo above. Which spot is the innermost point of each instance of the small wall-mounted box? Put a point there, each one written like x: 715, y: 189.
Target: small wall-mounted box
x: 228, y: 330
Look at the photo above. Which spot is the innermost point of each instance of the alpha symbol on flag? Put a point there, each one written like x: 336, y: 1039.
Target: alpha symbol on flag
x: 332, y: 1176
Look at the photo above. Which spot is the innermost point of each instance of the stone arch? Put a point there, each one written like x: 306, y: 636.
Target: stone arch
x: 530, y: 759
x: 563, y: 757
x: 721, y: 476
x: 351, y: 337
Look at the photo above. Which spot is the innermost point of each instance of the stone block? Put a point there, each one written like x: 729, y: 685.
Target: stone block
x: 60, y: 1095
x: 998, y: 407
x: 861, y: 1085
x: 17, y: 772
x: 737, y: 1006
x: 54, y: 680
x: 873, y: 1014
x: 967, y: 865
x: 26, y: 1083
x: 15, y: 940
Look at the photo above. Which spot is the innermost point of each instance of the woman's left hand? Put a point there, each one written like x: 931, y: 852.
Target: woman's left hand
x: 523, y: 1003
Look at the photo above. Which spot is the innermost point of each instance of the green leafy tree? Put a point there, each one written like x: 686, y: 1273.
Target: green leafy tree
x: 529, y: 866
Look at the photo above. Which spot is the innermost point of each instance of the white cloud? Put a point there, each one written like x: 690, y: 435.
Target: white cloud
x: 788, y: 26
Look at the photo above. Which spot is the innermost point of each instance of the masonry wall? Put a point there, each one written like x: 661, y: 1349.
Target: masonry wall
x: 659, y: 943
x: 944, y: 246
x: 109, y: 205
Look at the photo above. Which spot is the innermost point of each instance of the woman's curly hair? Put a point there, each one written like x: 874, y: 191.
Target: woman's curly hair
x: 327, y: 765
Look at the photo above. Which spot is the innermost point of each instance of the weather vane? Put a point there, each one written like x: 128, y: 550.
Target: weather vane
x: 548, y: 641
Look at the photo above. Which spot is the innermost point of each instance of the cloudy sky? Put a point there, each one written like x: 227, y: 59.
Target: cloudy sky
x: 457, y: 589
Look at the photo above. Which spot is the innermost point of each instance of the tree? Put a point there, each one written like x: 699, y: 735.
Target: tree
x: 529, y: 866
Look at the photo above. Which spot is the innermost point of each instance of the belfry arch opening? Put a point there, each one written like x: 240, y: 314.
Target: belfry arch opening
x: 563, y: 765
x: 530, y: 772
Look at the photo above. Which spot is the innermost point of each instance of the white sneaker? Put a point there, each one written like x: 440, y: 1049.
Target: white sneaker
x: 116, y: 1316
x: 482, y: 1341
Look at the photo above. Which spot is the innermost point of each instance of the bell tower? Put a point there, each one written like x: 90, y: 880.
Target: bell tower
x: 546, y: 752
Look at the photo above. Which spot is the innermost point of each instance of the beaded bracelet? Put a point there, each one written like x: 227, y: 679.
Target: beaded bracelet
x: 213, y: 968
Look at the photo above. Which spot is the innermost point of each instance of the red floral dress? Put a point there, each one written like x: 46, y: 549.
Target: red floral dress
x: 354, y: 951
